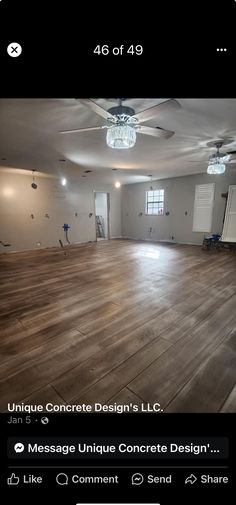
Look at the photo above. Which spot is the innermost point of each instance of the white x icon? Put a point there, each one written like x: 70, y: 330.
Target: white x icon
x: 14, y: 49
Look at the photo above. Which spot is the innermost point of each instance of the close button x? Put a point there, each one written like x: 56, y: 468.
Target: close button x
x: 14, y: 49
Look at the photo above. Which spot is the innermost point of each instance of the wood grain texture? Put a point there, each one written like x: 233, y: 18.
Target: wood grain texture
x: 126, y: 397
x: 230, y: 403
x: 119, y: 321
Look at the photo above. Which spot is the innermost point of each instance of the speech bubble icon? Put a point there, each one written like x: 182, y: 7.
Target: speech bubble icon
x: 19, y: 447
x: 137, y: 479
x: 62, y: 479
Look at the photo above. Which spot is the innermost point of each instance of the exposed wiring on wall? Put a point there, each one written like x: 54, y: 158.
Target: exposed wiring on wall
x: 5, y: 245
x: 66, y: 227
x: 62, y: 246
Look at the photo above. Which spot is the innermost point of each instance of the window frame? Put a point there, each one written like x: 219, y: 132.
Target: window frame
x: 156, y: 202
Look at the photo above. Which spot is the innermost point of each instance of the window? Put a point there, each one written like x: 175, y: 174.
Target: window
x: 203, y: 207
x: 155, y: 202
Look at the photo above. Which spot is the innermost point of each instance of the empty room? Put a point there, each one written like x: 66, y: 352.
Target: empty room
x: 118, y: 253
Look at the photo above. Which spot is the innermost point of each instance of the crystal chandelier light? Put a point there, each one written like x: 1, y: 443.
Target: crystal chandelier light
x: 121, y: 136
x: 216, y: 168
x: 217, y: 161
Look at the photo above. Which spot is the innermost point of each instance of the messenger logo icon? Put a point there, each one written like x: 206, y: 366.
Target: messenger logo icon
x: 19, y: 447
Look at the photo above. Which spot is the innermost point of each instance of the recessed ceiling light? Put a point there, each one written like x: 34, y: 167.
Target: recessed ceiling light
x: 117, y: 184
x: 63, y: 181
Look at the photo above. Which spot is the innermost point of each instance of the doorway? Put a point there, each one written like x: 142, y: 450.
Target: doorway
x: 102, y: 205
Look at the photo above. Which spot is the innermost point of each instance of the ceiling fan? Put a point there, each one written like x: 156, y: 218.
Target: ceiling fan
x: 123, y: 123
x: 218, y: 160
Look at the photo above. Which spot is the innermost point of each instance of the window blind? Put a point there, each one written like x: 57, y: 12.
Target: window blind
x: 203, y: 207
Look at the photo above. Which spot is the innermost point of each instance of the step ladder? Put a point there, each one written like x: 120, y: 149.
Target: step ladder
x: 100, y: 227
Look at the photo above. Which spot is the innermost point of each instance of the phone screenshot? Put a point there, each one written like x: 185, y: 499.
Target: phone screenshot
x: 117, y: 253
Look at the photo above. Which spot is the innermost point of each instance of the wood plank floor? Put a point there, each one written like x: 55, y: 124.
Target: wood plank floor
x: 119, y: 321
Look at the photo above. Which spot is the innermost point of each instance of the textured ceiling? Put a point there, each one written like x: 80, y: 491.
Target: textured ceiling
x: 29, y: 139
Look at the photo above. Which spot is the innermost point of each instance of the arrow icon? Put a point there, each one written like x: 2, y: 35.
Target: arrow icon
x: 191, y: 479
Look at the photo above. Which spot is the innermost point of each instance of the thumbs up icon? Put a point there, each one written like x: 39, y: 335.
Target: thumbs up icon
x: 13, y: 480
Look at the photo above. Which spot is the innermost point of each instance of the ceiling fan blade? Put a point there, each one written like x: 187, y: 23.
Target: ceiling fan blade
x: 84, y: 129
x: 96, y: 108
x: 232, y: 155
x: 155, y: 132
x: 152, y: 112
x: 231, y: 161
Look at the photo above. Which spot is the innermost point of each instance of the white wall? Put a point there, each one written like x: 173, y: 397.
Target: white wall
x: 18, y: 201
x: 101, y: 209
x: 179, y: 198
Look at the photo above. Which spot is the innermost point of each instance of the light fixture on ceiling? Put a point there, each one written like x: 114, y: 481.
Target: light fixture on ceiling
x: 151, y: 188
x: 63, y: 164
x: 33, y: 185
x: 117, y: 184
x: 122, y: 136
x: 216, y: 164
x: 123, y: 123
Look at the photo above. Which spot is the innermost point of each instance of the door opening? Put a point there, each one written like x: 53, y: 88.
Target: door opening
x: 102, y: 215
